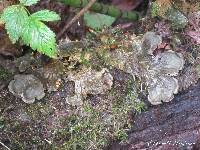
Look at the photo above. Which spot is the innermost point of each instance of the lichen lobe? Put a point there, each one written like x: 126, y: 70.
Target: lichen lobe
x: 27, y: 87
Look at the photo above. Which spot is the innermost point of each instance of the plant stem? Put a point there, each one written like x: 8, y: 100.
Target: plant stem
x: 104, y: 9
x: 76, y: 18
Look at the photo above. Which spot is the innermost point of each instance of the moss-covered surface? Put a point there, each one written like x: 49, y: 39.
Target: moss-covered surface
x: 4, y: 74
x: 51, y: 124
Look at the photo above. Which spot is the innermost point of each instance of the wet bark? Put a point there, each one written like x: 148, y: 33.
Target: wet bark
x: 173, y: 126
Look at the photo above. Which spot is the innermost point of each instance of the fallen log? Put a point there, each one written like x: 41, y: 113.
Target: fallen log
x: 173, y: 126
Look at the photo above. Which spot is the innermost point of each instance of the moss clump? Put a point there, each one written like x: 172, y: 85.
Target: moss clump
x: 87, y: 132
x: 4, y: 74
x: 91, y: 127
x: 38, y: 110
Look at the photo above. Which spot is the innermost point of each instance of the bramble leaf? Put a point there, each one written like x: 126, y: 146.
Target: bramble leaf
x: 39, y: 37
x: 20, y: 25
x: 46, y: 15
x: 14, y: 17
x: 98, y: 21
x: 28, y: 2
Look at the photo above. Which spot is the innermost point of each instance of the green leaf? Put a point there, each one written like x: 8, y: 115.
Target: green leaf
x: 40, y: 37
x: 154, y: 9
x: 97, y: 21
x: 30, y: 28
x: 14, y: 17
x: 28, y: 2
x: 46, y: 15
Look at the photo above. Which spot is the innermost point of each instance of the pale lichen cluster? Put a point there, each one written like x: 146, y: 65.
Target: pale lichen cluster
x: 158, y: 72
x: 27, y: 87
x: 89, y: 81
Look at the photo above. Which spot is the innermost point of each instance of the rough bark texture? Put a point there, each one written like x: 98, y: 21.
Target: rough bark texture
x: 172, y: 126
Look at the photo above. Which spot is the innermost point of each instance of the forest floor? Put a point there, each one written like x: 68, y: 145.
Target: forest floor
x: 108, y: 90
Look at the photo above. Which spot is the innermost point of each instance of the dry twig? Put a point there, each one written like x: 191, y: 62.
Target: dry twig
x: 76, y: 18
x: 6, y: 147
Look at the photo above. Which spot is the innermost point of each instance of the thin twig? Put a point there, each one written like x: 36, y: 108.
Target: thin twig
x: 5, y: 146
x: 76, y: 18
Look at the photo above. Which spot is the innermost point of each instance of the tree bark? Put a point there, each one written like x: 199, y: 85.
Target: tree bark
x: 174, y: 125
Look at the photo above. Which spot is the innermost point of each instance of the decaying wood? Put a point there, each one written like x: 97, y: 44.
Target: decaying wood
x: 173, y: 126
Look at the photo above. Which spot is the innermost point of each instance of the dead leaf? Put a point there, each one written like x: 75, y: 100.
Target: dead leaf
x: 163, y: 6
x: 127, y: 4
x: 163, y: 29
x: 5, y: 3
x: 186, y: 6
x: 193, y: 30
x: 195, y: 35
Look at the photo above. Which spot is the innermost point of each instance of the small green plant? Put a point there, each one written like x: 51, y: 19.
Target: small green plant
x: 21, y: 25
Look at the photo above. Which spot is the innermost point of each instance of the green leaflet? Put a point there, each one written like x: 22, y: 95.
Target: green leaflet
x: 20, y: 25
x: 46, y: 15
x: 14, y: 18
x: 39, y: 37
x: 98, y: 21
x: 28, y: 2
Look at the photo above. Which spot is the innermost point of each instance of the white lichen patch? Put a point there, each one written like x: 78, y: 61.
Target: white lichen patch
x: 24, y: 62
x: 27, y: 87
x: 162, y: 89
x: 168, y: 62
x: 126, y: 61
x: 156, y: 72
x: 161, y: 84
x: 159, y: 71
x: 150, y: 42
x: 89, y: 81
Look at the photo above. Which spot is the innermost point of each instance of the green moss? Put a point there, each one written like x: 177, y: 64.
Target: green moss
x: 121, y: 135
x: 4, y: 74
x: 93, y: 127
x: 38, y: 110
x: 18, y: 145
x: 132, y: 96
x: 86, y: 132
x: 90, y: 126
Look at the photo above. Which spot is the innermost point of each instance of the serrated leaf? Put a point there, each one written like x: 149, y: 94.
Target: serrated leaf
x: 40, y: 37
x: 14, y: 17
x: 28, y: 2
x: 97, y: 21
x: 46, y: 15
